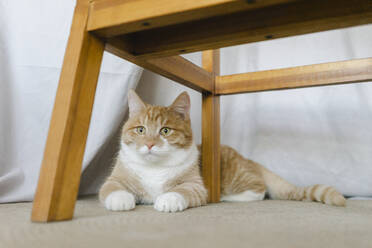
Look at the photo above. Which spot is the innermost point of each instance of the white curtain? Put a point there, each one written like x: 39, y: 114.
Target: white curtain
x: 313, y: 135
x: 308, y: 136
x: 33, y: 37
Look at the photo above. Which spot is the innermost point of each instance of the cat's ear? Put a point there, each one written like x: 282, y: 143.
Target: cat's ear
x: 135, y: 103
x: 182, y: 105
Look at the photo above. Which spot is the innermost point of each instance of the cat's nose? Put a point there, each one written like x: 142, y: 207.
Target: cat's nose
x: 150, y: 145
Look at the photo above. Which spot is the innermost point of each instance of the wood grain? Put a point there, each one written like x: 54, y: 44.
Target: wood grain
x: 351, y: 71
x: 61, y: 167
x: 283, y: 20
x: 175, y: 68
x: 114, y: 17
x: 211, y: 164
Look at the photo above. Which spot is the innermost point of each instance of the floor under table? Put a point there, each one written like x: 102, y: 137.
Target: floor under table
x: 256, y: 224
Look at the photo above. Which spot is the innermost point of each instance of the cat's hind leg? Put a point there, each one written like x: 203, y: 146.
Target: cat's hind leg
x: 244, y: 196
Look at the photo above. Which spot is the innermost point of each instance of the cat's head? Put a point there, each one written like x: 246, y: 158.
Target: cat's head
x: 156, y: 133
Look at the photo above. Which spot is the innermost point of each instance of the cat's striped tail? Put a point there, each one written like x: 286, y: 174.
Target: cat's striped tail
x: 278, y: 188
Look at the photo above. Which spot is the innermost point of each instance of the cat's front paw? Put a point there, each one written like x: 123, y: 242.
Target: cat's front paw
x: 120, y: 200
x: 170, y: 202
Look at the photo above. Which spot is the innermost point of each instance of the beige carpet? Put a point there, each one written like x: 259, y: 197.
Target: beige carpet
x: 256, y: 224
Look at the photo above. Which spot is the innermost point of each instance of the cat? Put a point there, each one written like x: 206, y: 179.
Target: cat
x: 159, y: 163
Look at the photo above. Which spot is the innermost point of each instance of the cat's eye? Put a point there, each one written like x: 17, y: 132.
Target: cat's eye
x: 165, y: 131
x: 140, y: 130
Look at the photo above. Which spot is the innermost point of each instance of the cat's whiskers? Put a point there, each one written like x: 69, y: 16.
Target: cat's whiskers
x: 166, y: 157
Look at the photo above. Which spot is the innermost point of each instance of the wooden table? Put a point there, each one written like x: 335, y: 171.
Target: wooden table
x: 153, y: 34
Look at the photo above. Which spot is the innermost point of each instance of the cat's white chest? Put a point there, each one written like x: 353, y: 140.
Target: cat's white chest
x: 155, y: 178
x: 154, y: 183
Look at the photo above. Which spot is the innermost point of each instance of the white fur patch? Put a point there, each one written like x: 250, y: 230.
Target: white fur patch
x: 120, y: 200
x: 244, y: 196
x: 319, y: 192
x: 170, y: 202
x: 155, y: 172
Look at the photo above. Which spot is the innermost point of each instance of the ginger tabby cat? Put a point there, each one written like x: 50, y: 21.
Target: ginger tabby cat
x: 159, y: 164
